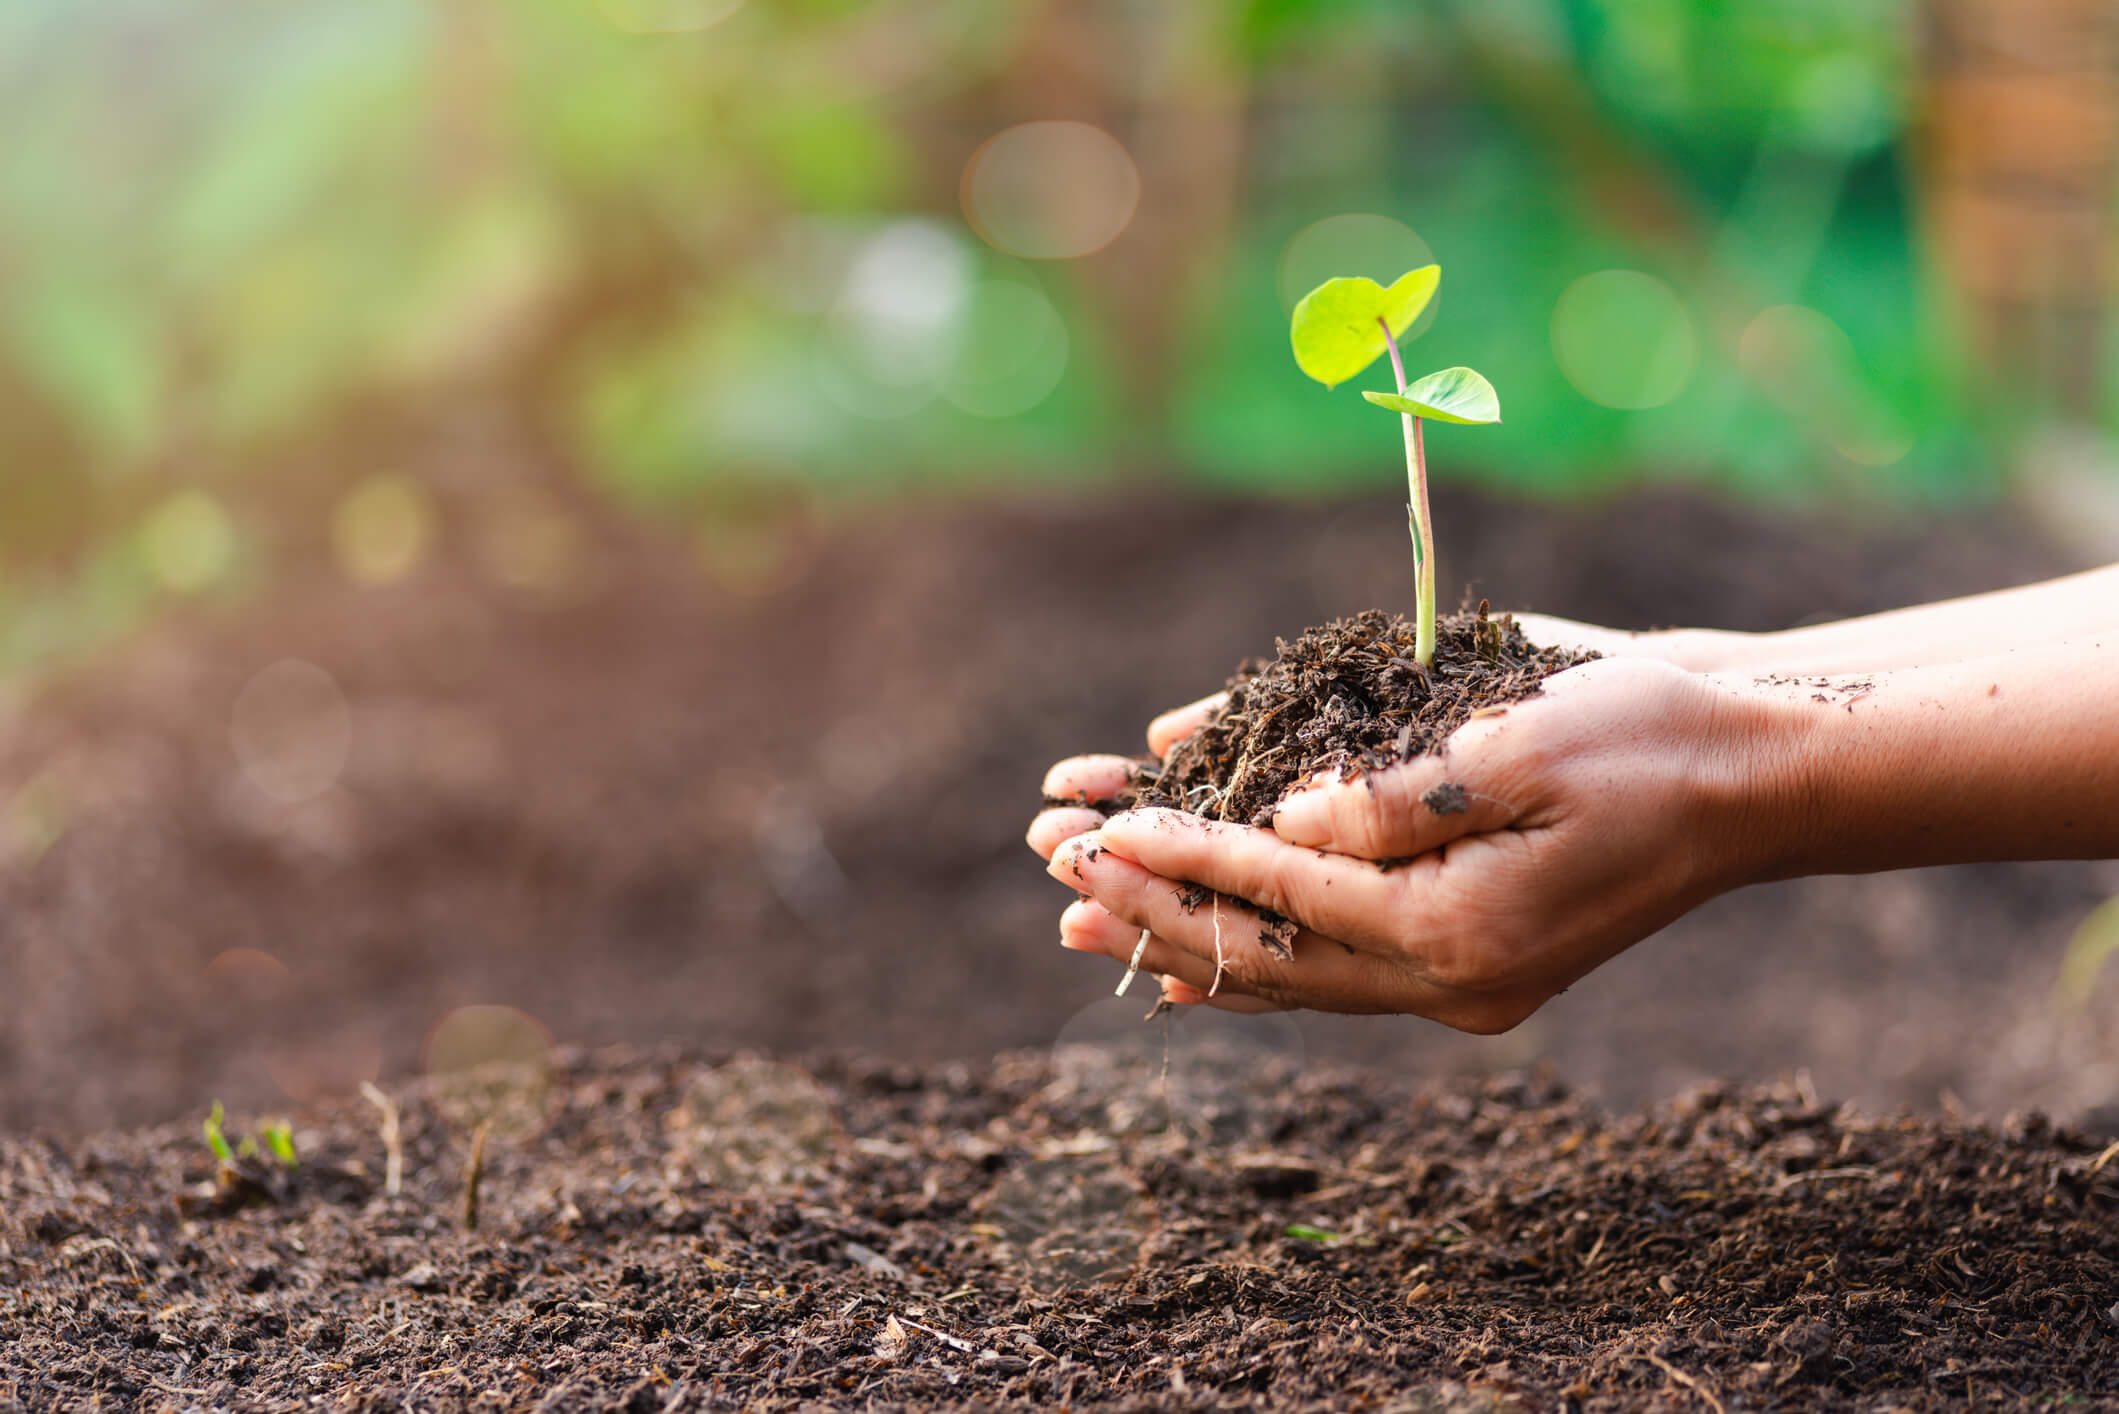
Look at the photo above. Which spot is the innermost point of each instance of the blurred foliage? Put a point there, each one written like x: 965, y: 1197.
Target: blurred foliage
x: 710, y: 251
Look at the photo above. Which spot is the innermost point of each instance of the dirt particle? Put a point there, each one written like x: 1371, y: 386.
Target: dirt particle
x: 1449, y: 798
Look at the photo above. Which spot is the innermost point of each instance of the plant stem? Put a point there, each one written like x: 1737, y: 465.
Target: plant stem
x: 1416, y: 515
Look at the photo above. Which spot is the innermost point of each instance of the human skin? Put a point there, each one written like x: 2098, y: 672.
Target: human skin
x: 1629, y: 791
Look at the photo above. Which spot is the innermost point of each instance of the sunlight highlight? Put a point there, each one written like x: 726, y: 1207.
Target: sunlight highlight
x: 1050, y: 190
x: 188, y: 542
x: 1807, y: 365
x: 292, y: 730
x: 380, y: 530
x: 1624, y: 340
x: 491, y: 1065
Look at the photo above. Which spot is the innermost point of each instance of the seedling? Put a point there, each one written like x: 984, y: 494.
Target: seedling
x: 215, y: 1139
x: 1339, y: 329
x: 278, y: 1136
x: 1305, y: 1233
x: 274, y: 1137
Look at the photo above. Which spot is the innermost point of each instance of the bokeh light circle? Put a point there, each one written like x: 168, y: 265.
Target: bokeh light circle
x: 891, y: 337
x: 1108, y: 1063
x: 292, y: 730
x: 491, y: 1065
x: 751, y: 1123
x: 188, y: 542
x: 1806, y: 363
x: 326, y: 1066
x: 1194, y: 1072
x: 1624, y: 339
x: 1070, y: 1218
x: 249, y: 980
x: 381, y: 528
x: 1050, y: 190
x: 666, y: 16
x: 1012, y: 351
x: 529, y: 541
x: 1356, y: 243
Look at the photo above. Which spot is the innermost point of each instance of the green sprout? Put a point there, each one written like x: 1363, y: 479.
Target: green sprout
x: 279, y: 1142
x: 215, y: 1139
x: 275, y: 1137
x: 1339, y: 329
x: 1306, y: 1233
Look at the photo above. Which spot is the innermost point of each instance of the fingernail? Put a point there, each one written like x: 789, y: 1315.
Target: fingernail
x: 1070, y: 921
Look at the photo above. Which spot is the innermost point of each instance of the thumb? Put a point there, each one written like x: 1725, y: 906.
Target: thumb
x: 1395, y: 813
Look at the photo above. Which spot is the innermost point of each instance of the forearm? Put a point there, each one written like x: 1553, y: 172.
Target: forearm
x: 2009, y: 756
x: 2075, y: 607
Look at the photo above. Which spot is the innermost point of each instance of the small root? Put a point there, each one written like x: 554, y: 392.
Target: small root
x: 1220, y: 960
x: 1133, y: 968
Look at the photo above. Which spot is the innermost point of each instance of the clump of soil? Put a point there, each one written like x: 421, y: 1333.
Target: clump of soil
x: 1347, y: 697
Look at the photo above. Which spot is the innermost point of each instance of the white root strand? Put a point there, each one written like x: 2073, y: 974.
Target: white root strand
x: 1140, y: 950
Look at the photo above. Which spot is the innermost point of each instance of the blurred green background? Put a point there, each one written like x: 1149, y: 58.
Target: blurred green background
x: 708, y: 258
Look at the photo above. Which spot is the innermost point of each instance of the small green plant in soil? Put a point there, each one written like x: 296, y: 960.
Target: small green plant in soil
x: 1342, y: 327
x: 273, y: 1137
x: 1365, y: 691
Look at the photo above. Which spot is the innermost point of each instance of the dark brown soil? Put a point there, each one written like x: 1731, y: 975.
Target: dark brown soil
x: 1348, y: 696
x: 1099, y: 1228
x: 776, y: 800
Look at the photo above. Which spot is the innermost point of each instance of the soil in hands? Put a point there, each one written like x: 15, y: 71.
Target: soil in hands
x: 1346, y: 697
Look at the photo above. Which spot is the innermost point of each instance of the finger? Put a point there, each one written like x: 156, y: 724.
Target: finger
x: 1178, y: 993
x: 1348, y: 899
x: 1087, y: 926
x: 1499, y: 769
x: 1178, y: 723
x: 1395, y: 813
x: 1557, y: 632
x: 1229, y: 935
x: 1088, y: 778
x: 1053, y: 828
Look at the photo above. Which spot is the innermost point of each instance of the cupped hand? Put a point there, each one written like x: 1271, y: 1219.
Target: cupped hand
x: 1468, y: 886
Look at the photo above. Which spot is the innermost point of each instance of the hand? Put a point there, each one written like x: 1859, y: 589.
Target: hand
x: 1544, y: 840
x: 1698, y: 650
x: 1086, y: 925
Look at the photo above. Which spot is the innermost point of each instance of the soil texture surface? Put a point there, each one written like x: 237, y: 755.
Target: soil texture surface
x: 1083, y: 1229
x: 768, y: 790
x: 1347, y: 697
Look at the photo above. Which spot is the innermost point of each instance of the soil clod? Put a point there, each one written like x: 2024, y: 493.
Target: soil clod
x: 1346, y: 697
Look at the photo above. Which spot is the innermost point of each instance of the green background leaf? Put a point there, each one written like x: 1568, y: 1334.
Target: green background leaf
x: 1335, y: 332
x: 1451, y: 395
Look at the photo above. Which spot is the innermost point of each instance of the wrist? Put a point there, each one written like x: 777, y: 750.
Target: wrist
x: 1758, y: 783
x: 2011, y: 756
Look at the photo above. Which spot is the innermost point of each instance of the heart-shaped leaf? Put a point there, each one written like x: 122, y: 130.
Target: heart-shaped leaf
x: 1453, y: 395
x: 1335, y: 330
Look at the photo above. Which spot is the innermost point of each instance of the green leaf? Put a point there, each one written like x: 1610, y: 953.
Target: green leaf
x: 1453, y: 395
x: 279, y: 1138
x: 1335, y: 330
x: 215, y: 1140
x: 1306, y: 1233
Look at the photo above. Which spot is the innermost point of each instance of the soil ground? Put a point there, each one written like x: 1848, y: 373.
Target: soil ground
x: 1069, y: 1230
x: 775, y: 800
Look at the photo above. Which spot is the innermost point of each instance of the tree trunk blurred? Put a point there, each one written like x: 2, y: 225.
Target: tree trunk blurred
x: 2018, y: 114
